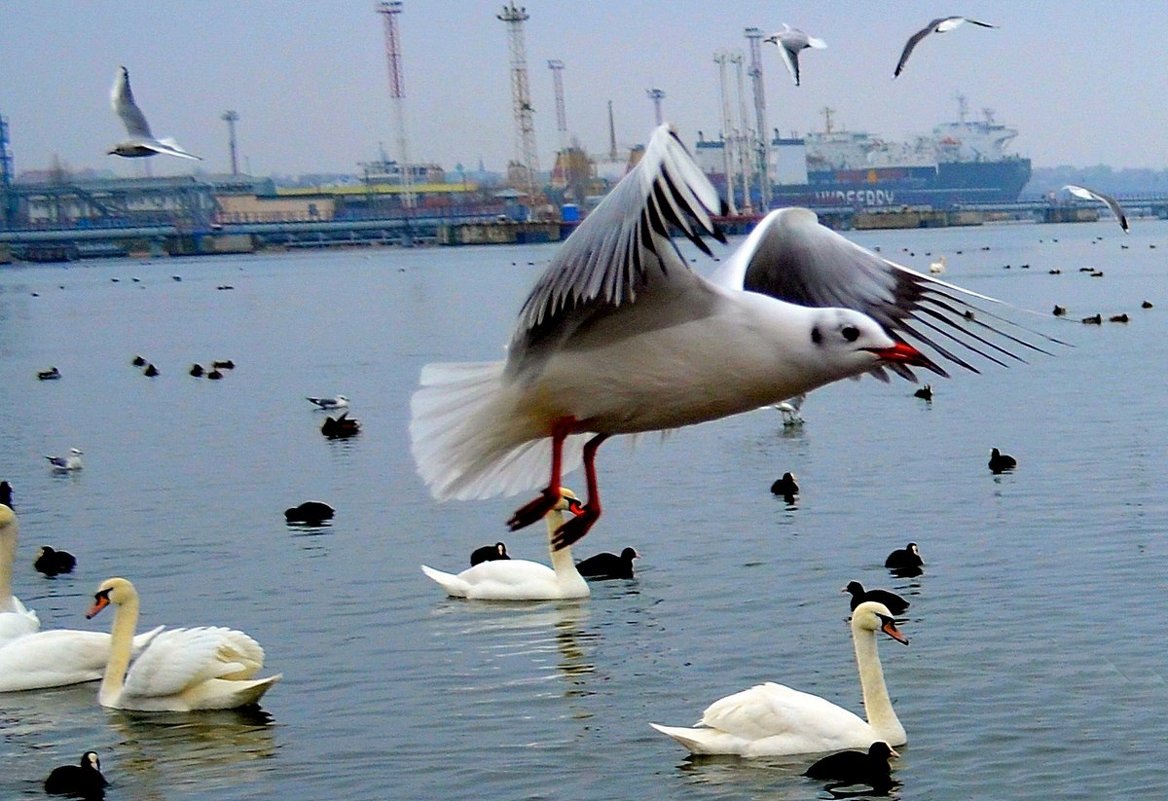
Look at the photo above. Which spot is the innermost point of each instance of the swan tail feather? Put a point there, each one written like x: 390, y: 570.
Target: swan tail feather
x: 448, y: 581
x: 701, y: 740
x: 470, y: 441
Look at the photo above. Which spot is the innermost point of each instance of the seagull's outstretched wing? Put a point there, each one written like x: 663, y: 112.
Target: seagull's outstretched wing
x: 790, y: 256
x: 122, y: 101
x: 791, y: 59
x: 1090, y: 194
x: 623, y: 244
x: 790, y: 41
x: 939, y: 25
x: 170, y: 147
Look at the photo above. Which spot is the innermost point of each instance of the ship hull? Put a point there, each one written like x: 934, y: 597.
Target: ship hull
x: 944, y: 186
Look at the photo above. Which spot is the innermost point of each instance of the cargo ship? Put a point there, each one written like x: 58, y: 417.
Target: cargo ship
x: 961, y: 162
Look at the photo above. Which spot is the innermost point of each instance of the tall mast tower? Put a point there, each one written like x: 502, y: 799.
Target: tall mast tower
x: 231, y: 117
x: 521, y: 95
x: 557, y: 68
x: 389, y: 9
x: 762, y: 141
x: 611, y: 134
x: 745, y: 136
x: 722, y: 58
x: 656, y: 95
x: 7, y: 200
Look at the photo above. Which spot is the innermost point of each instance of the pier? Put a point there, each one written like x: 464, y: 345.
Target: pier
x: 191, y: 216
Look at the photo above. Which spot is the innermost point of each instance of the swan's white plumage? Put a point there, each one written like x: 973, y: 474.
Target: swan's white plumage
x: 181, y: 669
x: 58, y: 658
x: 16, y: 620
x: 520, y: 579
x: 774, y: 720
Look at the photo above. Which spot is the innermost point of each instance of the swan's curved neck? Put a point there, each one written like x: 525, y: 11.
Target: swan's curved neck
x: 121, y: 644
x: 877, y: 704
x: 562, y: 561
x: 7, y: 557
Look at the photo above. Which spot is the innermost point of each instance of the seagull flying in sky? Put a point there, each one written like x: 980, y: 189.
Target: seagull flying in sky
x: 939, y: 25
x: 791, y: 41
x: 620, y: 336
x: 1090, y: 194
x: 141, y: 142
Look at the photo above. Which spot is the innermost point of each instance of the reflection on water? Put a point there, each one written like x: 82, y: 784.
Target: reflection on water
x: 219, y: 749
x: 153, y: 753
x: 534, y: 631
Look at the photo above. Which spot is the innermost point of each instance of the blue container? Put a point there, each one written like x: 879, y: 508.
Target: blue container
x: 570, y: 213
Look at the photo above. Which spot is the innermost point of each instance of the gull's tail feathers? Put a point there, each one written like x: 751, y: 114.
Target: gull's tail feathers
x: 471, y: 441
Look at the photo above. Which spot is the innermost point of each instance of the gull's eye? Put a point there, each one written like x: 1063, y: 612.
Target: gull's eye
x: 816, y: 336
x: 851, y: 333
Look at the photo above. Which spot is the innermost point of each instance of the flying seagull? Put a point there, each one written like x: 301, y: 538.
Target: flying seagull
x: 620, y: 336
x: 1112, y: 203
x: 939, y: 25
x: 791, y: 41
x: 141, y: 142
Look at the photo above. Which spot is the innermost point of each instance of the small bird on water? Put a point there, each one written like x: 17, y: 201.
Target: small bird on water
x: 608, y: 565
x: 896, y: 605
x: 785, y: 486
x: 846, y: 768
x: 1001, y: 462
x: 488, y: 553
x: 52, y: 562
x: 79, y: 781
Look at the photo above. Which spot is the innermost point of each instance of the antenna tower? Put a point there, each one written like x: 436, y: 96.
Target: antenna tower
x: 745, y: 136
x: 557, y: 68
x: 7, y: 200
x: 389, y: 9
x: 520, y: 95
x: 611, y: 134
x: 761, y: 143
x: 722, y: 58
x: 656, y: 95
x: 230, y: 117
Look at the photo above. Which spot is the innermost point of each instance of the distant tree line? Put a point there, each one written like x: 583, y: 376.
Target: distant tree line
x: 1101, y: 178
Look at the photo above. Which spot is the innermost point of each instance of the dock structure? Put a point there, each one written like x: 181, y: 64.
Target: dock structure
x: 81, y: 218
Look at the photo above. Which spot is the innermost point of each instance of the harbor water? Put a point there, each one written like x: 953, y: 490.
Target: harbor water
x: 1035, y: 668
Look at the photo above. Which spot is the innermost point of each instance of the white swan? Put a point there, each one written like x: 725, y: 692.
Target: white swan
x: 773, y: 720
x: 521, y: 579
x: 58, y: 658
x: 182, y: 669
x: 16, y: 620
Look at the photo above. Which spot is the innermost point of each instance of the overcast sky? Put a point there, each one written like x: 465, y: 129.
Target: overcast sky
x: 1085, y: 82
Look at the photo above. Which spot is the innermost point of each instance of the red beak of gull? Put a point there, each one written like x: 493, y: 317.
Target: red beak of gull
x: 902, y: 353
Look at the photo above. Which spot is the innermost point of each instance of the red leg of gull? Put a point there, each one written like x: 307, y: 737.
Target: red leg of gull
x: 550, y: 495
x: 574, y: 529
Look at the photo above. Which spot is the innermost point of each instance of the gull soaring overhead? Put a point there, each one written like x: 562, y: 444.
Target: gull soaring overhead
x: 790, y: 41
x: 1090, y: 194
x: 141, y: 143
x: 939, y: 25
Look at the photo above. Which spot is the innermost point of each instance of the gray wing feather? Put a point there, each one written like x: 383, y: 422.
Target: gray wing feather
x: 912, y: 42
x: 1112, y: 203
x: 626, y: 240
x: 122, y: 100
x: 794, y: 258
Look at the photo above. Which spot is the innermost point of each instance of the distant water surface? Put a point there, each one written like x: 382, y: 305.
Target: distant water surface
x: 1036, y: 666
